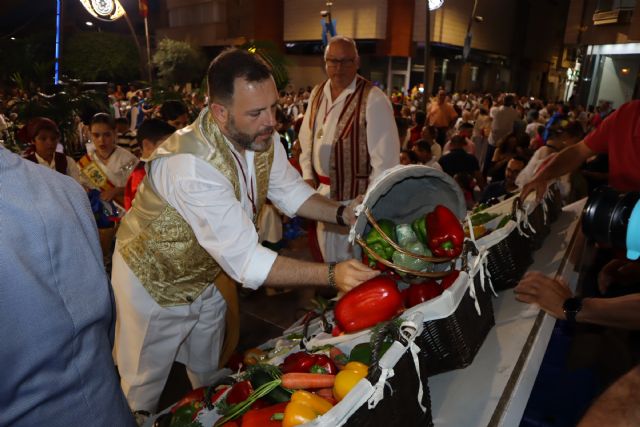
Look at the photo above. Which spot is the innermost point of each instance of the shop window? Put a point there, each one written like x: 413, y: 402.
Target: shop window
x: 609, y: 5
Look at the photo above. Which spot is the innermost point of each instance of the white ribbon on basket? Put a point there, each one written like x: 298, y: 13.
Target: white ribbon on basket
x: 480, y: 263
x: 409, y: 329
x: 522, y: 222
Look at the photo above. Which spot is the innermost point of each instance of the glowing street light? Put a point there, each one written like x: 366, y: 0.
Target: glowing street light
x: 89, y: 24
x: 435, y: 4
x: 106, y: 10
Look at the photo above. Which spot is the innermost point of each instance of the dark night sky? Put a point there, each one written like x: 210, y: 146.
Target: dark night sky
x: 22, y: 17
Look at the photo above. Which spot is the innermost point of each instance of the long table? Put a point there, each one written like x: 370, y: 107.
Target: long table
x: 495, y: 388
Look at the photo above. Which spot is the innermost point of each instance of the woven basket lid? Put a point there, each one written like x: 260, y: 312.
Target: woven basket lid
x: 404, y: 193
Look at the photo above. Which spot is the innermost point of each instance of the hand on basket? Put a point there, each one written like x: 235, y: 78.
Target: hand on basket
x: 350, y: 212
x: 351, y: 273
x: 547, y: 293
x: 538, y: 185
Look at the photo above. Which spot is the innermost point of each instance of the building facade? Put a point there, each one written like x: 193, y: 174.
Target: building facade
x: 515, y: 45
x: 602, y: 51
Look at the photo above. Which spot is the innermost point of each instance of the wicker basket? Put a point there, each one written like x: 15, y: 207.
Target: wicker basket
x: 554, y: 203
x: 540, y: 223
x: 508, y: 260
x: 399, y: 408
x: 452, y: 342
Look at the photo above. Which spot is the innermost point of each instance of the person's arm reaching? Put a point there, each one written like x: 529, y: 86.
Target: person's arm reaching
x: 566, y: 161
x: 289, y: 272
x: 549, y: 294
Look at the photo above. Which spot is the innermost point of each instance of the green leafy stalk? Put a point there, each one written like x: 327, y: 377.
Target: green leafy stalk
x: 234, y: 411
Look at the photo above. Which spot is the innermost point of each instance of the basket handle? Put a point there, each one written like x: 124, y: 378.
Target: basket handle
x: 429, y: 274
x: 515, y: 207
x: 397, y: 247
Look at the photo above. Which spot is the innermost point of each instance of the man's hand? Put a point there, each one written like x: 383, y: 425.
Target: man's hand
x: 547, y: 293
x: 351, y: 273
x: 312, y: 183
x: 349, y: 214
x: 538, y: 185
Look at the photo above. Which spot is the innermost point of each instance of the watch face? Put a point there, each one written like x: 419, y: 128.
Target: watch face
x: 572, y: 305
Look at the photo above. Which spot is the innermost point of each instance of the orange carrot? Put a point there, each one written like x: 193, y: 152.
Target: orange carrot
x: 299, y: 380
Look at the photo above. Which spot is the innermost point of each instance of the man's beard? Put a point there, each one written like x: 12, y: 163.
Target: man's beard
x: 247, y: 141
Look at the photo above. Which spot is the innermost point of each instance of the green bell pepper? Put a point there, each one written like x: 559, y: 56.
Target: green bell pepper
x: 419, y: 226
x: 377, y: 243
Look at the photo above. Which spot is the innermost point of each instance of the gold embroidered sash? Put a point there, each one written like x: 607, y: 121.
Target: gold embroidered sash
x: 94, y: 173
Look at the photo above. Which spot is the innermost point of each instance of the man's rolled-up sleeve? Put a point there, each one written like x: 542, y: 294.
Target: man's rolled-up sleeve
x: 206, y: 200
x: 287, y: 190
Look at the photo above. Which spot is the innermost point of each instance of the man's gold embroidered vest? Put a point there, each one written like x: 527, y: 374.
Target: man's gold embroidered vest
x: 157, y: 243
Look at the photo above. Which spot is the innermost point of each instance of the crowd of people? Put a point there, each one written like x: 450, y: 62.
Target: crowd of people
x: 178, y: 189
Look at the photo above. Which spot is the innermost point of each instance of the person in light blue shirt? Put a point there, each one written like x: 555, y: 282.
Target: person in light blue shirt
x: 56, y: 305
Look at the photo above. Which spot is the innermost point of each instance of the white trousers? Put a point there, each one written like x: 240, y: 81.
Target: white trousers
x: 333, y: 239
x: 149, y: 338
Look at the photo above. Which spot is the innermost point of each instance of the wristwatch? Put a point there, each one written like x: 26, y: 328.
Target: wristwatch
x: 571, y: 307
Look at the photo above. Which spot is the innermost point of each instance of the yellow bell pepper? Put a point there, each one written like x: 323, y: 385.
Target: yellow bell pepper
x: 303, y: 408
x: 347, y: 378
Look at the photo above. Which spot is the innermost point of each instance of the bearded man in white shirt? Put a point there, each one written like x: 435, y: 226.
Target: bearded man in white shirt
x: 348, y: 138
x: 190, y: 234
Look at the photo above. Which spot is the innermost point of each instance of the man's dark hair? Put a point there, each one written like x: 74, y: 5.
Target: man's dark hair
x: 458, y: 140
x: 509, y: 101
x: 171, y: 110
x: 413, y: 158
x: 228, y: 66
x: 465, y: 126
x: 154, y: 130
x: 103, y: 118
x: 423, y: 145
x: 421, y: 118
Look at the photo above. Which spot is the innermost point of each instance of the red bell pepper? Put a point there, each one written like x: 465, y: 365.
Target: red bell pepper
x: 196, y: 395
x: 307, y: 362
x: 421, y: 292
x: 449, y: 280
x: 263, y: 417
x: 239, y: 392
x: 367, y: 304
x: 445, y: 232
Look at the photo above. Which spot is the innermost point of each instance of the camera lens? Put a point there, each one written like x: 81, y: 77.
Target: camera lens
x: 606, y: 216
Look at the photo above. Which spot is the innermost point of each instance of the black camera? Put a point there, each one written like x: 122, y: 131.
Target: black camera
x: 613, y: 219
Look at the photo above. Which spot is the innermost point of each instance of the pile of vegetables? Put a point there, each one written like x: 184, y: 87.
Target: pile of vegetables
x: 480, y: 219
x: 306, y: 385
x: 438, y: 233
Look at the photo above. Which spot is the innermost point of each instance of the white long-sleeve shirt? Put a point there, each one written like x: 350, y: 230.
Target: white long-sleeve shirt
x: 205, y: 198
x: 383, y: 141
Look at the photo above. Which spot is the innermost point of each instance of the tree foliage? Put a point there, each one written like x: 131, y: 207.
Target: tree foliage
x: 268, y: 51
x: 178, y: 62
x: 101, y: 57
x: 31, y: 57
